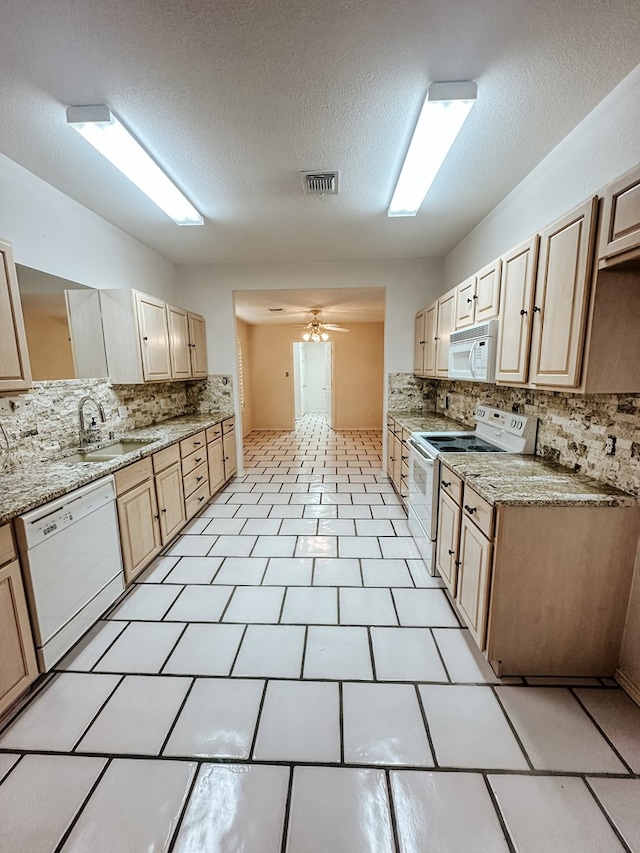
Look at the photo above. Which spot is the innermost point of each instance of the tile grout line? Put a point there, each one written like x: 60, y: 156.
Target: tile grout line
x: 499, y: 815
x: 72, y: 823
x: 104, y: 704
x: 601, y: 731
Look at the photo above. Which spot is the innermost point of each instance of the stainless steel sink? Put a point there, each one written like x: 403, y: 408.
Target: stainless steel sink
x: 106, y: 454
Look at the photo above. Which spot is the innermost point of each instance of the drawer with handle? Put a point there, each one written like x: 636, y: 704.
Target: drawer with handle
x: 193, y: 443
x: 195, y: 459
x: 451, y: 484
x: 194, y: 479
x: 479, y: 510
x: 197, y: 500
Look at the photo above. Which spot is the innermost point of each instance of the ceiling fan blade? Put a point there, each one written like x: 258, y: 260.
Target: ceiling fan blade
x: 331, y: 328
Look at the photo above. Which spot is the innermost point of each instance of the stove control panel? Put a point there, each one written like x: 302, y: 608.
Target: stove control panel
x: 496, y: 424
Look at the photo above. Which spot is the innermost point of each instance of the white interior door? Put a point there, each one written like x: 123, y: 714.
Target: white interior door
x: 328, y: 383
x: 314, y: 377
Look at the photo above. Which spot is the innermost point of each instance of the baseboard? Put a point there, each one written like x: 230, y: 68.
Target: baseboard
x: 628, y: 686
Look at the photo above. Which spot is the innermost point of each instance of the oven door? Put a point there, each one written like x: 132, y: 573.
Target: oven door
x: 422, y: 504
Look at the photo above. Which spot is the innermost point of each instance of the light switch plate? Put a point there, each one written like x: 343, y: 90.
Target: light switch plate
x: 122, y: 412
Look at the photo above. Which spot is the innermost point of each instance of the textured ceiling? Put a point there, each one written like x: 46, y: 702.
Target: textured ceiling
x: 234, y: 99
x: 336, y: 305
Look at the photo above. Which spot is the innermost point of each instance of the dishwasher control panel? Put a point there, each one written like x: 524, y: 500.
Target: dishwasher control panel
x: 50, y: 519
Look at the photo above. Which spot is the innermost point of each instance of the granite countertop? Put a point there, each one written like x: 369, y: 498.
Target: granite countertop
x: 419, y: 422
x: 508, y: 479
x: 31, y: 484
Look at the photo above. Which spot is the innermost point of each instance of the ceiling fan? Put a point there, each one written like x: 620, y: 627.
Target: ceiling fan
x: 317, y: 331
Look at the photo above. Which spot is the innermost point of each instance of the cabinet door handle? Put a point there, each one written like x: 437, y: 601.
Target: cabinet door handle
x: 457, y: 562
x: 445, y: 484
x: 475, y: 297
x: 522, y: 312
x: 197, y: 443
x: 404, y: 458
x: 535, y: 308
x: 198, y: 479
x: 468, y: 300
x: 145, y: 338
x: 163, y: 510
x: 470, y: 509
x: 451, y: 552
x: 198, y: 458
x: 201, y: 498
x: 157, y: 517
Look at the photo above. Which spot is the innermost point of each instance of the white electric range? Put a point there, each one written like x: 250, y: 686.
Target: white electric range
x: 496, y: 431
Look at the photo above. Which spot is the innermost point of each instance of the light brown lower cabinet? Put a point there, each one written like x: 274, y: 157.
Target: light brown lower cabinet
x: 229, y: 448
x: 195, y: 473
x: 170, y: 493
x: 215, y: 459
x: 543, y: 589
x: 18, y: 665
x: 138, y: 517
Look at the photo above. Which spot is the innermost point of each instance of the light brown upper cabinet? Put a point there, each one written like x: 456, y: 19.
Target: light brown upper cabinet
x: 149, y: 341
x: 187, y: 344
x: 444, y: 326
x: 418, y: 343
x: 15, y: 373
x: 153, y: 332
x: 465, y: 304
x: 478, y: 298
x: 519, y: 269
x: 620, y: 233
x: 180, y: 352
x: 562, y: 298
x: 424, y: 349
x: 198, y: 346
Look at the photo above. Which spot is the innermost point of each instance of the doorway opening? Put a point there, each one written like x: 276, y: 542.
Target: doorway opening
x: 313, y: 381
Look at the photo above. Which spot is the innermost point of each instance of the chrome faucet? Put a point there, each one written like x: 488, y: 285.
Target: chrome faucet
x: 92, y: 432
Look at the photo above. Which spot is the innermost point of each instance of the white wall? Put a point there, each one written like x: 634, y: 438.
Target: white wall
x: 411, y: 284
x: 604, y: 145
x: 51, y: 232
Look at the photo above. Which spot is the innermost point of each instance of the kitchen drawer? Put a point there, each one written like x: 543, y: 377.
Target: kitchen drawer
x: 479, y: 510
x: 189, y: 463
x: 214, y: 432
x: 196, y: 478
x: 133, y: 475
x: 228, y: 425
x: 163, y: 458
x: 7, y: 548
x: 196, y: 500
x: 194, y: 442
x: 451, y: 484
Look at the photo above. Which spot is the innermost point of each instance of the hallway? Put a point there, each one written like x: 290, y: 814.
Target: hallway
x: 287, y: 678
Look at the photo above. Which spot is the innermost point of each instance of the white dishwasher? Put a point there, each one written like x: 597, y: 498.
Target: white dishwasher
x: 72, y: 566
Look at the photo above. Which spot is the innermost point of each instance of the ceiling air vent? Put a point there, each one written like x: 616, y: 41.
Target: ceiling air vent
x: 320, y: 183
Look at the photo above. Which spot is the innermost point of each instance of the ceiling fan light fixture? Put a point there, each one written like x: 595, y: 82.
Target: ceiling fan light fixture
x: 443, y: 113
x: 100, y: 127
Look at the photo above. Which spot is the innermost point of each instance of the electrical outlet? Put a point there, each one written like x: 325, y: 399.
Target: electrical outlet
x: 164, y: 403
x: 610, y: 445
x: 10, y: 405
x: 122, y: 412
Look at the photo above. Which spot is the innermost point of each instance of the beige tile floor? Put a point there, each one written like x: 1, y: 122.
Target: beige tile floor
x: 288, y: 678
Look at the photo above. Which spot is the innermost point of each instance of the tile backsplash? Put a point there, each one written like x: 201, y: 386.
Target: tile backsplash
x: 597, y: 435
x: 46, y: 421
x: 407, y: 393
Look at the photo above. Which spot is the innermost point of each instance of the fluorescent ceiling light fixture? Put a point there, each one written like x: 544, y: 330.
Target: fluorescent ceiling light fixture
x: 443, y: 113
x: 99, y: 126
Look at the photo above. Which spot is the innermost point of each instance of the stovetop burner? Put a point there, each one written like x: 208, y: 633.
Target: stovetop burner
x: 465, y: 443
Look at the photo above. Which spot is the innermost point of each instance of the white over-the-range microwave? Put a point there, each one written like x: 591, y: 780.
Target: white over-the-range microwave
x: 472, y: 352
